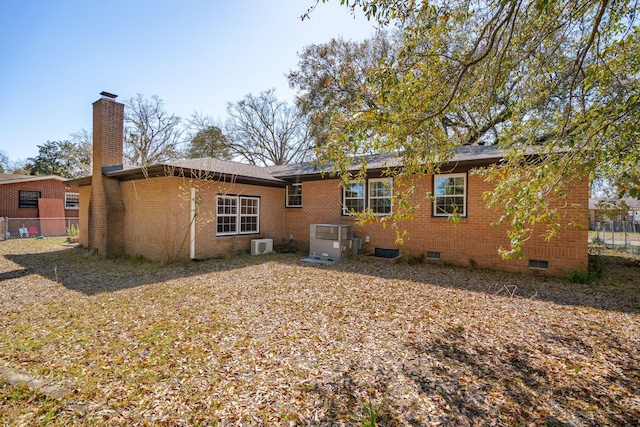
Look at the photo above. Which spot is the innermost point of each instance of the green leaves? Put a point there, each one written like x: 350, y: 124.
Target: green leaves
x: 552, y: 77
x: 66, y: 158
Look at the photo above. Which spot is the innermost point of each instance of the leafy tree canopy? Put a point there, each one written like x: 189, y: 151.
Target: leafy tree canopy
x: 557, y: 78
x: 332, y: 76
x: 62, y: 158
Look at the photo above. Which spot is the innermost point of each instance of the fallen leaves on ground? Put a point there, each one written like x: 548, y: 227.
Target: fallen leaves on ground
x: 270, y: 341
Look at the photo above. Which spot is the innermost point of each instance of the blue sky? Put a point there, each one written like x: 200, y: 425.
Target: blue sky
x: 197, y: 55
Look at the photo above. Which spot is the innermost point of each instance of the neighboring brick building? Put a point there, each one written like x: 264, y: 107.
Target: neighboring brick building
x: 629, y: 210
x: 26, y: 199
x: 202, y: 208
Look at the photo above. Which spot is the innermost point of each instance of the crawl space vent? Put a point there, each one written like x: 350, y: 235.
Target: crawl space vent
x: 537, y: 264
x: 386, y: 253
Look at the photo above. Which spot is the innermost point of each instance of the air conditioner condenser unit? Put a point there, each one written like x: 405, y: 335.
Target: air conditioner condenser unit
x: 261, y: 246
x: 329, y: 241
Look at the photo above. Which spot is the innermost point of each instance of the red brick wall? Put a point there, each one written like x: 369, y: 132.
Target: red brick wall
x: 49, y: 189
x: 106, y: 210
x: 157, y: 217
x: 473, y: 241
x: 271, y: 218
x: 157, y: 212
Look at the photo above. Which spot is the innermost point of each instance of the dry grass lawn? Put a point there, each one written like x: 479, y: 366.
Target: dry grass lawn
x: 269, y: 341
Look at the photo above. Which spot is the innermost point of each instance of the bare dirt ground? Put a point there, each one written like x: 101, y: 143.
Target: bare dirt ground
x: 269, y: 341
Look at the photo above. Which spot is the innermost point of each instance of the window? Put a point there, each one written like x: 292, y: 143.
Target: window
x: 71, y: 200
x: 237, y: 215
x: 380, y: 194
x: 28, y: 199
x: 249, y: 215
x: 353, y: 198
x: 294, y: 196
x: 227, y: 216
x: 450, y: 195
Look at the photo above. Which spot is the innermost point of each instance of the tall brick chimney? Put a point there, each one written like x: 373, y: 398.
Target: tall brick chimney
x: 106, y: 208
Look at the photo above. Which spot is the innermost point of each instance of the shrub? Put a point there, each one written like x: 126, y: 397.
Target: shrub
x: 578, y: 276
x: 73, y: 230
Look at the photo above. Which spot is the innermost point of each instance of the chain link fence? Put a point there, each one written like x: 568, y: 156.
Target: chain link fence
x: 620, y: 235
x: 616, y: 226
x: 16, y: 228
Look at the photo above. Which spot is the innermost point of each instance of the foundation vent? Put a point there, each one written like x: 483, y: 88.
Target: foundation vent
x: 536, y: 264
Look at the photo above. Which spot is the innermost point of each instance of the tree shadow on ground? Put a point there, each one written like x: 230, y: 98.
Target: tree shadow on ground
x: 468, y: 375
x: 616, y: 288
x: 470, y: 383
x: 342, y: 401
x: 614, y: 283
x: 82, y: 271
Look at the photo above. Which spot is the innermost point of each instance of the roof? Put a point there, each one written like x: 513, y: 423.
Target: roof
x: 226, y: 167
x: 633, y: 204
x: 275, y: 175
x: 212, y: 169
x: 467, y: 154
x: 11, y: 178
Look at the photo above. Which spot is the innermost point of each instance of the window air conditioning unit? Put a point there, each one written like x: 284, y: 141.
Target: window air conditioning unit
x: 261, y: 246
x: 329, y: 241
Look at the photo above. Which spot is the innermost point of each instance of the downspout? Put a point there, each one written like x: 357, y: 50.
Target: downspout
x: 192, y: 233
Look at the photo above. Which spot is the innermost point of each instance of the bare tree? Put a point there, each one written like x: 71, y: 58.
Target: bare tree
x: 265, y: 131
x: 205, y: 138
x: 83, y: 142
x: 4, y: 161
x: 151, y: 134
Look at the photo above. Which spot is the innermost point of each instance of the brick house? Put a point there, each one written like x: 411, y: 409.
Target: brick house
x: 37, y: 202
x: 614, y: 214
x: 202, y: 208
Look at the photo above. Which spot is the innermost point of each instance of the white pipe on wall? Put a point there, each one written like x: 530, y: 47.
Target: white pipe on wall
x: 192, y: 234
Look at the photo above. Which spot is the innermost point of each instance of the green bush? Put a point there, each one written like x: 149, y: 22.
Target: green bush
x: 73, y: 230
x: 578, y: 276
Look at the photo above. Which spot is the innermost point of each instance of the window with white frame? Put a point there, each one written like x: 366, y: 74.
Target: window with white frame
x: 71, y: 200
x: 450, y: 194
x: 380, y: 196
x: 376, y: 194
x: 249, y: 215
x: 353, y: 197
x: 227, y: 215
x: 237, y: 215
x: 294, y: 195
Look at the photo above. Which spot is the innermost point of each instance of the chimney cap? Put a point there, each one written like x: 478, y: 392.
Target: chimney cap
x: 108, y: 95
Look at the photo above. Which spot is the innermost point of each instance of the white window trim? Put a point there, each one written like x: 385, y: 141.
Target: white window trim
x: 66, y: 206
x: 387, y: 181
x: 435, y: 196
x: 299, y: 184
x: 238, y: 215
x: 346, y: 211
x: 256, y: 215
x: 229, y: 233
